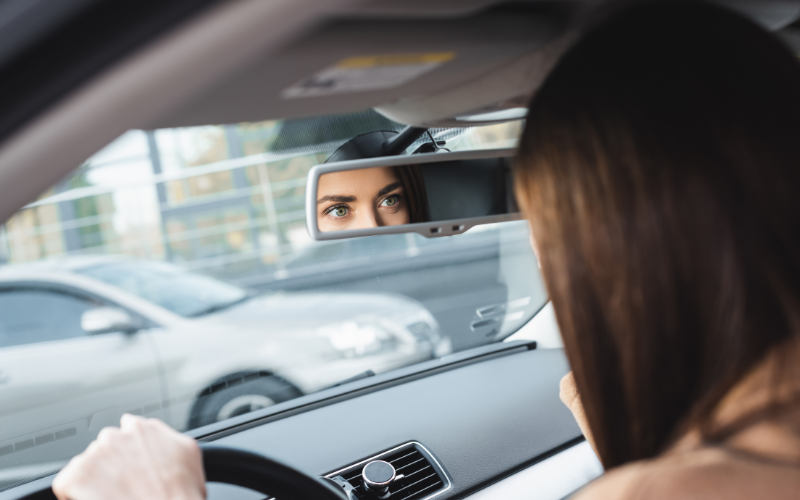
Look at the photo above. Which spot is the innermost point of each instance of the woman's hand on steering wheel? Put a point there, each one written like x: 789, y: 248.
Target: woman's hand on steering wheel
x: 143, y: 458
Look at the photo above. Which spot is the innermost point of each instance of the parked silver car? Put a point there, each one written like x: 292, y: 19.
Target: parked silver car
x: 149, y: 338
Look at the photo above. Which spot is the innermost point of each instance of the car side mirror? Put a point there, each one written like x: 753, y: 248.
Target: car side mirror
x: 108, y: 320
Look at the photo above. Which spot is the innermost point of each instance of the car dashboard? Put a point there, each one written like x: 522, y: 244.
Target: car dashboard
x: 494, y: 426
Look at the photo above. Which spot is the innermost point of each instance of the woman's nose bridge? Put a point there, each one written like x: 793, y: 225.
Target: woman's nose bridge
x: 376, y: 217
x: 368, y: 218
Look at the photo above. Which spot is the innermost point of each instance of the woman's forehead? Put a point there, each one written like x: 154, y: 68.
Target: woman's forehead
x: 351, y: 182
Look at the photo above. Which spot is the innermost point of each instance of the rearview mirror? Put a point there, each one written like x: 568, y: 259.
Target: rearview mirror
x: 108, y: 320
x: 436, y: 194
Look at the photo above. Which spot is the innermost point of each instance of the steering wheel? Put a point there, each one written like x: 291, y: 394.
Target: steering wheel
x: 264, y: 475
x: 249, y: 470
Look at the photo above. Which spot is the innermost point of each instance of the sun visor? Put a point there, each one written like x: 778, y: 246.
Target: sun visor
x: 359, y: 63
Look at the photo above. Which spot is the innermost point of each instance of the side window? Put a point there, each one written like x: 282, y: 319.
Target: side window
x: 29, y: 315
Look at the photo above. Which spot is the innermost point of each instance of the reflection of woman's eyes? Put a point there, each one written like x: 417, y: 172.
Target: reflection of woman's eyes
x: 391, y: 201
x: 337, y: 211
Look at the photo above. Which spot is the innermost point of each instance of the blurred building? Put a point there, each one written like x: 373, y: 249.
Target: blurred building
x: 223, y: 200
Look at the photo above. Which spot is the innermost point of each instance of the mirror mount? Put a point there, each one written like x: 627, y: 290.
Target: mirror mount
x: 494, y: 162
x: 397, y: 144
x: 376, y: 144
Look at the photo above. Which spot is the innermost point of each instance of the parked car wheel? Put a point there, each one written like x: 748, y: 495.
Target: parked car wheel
x: 240, y: 394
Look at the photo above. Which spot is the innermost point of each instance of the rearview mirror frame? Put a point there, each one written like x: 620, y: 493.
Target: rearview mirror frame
x: 427, y: 229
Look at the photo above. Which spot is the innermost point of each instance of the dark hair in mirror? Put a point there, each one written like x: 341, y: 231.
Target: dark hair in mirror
x: 372, y: 145
x: 660, y: 172
x: 416, y: 194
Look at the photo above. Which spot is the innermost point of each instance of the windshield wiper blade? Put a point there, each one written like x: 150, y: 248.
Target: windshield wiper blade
x: 220, y: 307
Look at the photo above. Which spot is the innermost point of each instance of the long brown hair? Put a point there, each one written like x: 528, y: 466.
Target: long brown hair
x: 660, y: 172
x: 416, y: 194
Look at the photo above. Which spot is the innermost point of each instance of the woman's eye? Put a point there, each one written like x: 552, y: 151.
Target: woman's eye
x: 339, y: 211
x: 391, y: 201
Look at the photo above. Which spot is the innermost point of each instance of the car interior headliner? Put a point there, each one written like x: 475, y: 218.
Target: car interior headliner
x: 501, y: 53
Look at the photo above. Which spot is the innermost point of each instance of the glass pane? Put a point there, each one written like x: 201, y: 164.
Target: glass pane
x: 22, y: 321
x: 201, y: 233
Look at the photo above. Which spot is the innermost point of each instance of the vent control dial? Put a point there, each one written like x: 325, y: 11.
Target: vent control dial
x: 378, y: 476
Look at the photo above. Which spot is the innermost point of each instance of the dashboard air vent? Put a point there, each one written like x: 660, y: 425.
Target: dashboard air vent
x: 422, y: 476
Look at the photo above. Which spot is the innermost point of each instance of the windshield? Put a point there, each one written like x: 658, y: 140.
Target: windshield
x: 168, y: 286
x: 171, y: 227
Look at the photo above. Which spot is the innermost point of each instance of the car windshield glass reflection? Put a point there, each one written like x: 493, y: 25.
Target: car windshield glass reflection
x: 168, y: 286
x: 126, y: 287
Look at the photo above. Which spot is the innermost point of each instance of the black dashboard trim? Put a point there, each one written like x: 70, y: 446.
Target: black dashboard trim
x: 483, y: 421
x: 524, y: 465
x: 358, y: 388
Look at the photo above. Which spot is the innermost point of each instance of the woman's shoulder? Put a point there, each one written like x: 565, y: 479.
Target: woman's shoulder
x: 620, y: 483
x: 704, y: 473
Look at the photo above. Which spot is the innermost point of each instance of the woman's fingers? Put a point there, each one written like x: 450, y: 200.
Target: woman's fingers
x: 87, y: 476
x: 568, y: 392
x: 66, y: 482
x: 178, y: 458
x: 143, y: 458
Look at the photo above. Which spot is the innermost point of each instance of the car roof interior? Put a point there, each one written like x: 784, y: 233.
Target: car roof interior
x: 484, y: 417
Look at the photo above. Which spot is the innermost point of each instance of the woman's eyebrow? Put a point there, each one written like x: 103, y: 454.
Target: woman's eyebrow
x: 335, y: 197
x: 391, y: 187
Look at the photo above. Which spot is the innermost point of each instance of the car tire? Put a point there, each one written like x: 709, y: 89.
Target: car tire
x: 238, y: 395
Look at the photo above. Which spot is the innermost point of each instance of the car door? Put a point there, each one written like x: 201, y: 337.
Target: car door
x: 98, y: 377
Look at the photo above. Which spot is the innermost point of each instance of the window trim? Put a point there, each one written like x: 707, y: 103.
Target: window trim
x: 71, y: 291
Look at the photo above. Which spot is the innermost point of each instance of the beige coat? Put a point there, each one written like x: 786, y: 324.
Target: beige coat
x: 760, y: 461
